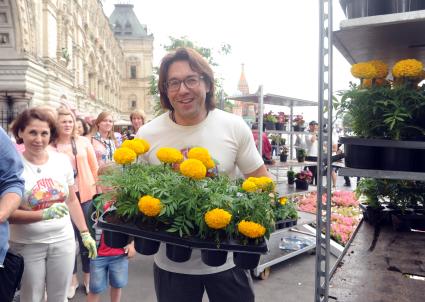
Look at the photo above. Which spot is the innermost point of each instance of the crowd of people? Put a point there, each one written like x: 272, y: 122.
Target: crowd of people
x: 47, y: 190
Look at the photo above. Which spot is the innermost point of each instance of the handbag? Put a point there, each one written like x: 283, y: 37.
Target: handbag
x: 10, y: 275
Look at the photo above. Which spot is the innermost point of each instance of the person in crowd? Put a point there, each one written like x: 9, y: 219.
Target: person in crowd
x: 312, y: 146
x: 103, y: 138
x: 111, y: 263
x: 82, y: 127
x: 41, y: 229
x: 137, y: 119
x: 186, y: 85
x: 81, y: 155
x: 266, y: 146
x: 11, y: 190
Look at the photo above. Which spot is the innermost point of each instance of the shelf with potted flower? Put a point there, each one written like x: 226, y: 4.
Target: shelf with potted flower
x: 184, y: 204
x: 282, y: 120
x: 386, y: 117
x: 303, y: 179
x: 283, y: 154
x: 298, y: 123
x: 269, y: 120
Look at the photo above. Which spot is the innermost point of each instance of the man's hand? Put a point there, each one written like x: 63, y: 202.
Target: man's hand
x: 56, y: 210
x: 89, y: 244
x: 129, y: 249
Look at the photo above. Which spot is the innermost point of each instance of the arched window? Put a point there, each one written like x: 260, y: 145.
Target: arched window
x: 133, y: 72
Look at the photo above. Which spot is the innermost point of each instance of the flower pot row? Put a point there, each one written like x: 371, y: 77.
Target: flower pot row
x: 377, y: 154
x: 364, y: 8
x: 179, y: 249
x: 386, y: 215
x: 285, y: 223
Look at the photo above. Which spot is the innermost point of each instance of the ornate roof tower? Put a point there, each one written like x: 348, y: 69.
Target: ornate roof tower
x: 243, y: 84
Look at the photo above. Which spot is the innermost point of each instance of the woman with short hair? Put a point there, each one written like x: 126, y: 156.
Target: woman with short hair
x: 41, y: 229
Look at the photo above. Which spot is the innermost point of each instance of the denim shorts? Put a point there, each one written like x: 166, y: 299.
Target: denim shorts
x: 113, y: 267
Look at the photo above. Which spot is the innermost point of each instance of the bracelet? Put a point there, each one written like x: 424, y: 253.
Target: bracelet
x: 84, y: 231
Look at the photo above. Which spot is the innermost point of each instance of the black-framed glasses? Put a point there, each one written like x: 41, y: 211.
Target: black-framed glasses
x: 190, y: 82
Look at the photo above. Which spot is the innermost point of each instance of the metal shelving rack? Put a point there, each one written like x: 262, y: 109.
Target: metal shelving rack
x: 388, y: 37
x: 322, y: 272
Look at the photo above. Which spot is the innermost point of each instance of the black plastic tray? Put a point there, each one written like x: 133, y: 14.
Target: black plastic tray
x: 133, y: 230
x: 382, y: 143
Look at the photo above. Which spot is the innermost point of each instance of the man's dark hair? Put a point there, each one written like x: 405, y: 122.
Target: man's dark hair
x: 254, y: 126
x: 197, y: 63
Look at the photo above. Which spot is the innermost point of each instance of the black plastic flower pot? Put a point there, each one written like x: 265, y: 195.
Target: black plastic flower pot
x: 146, y: 246
x: 291, y: 180
x: 280, y: 126
x: 362, y: 157
x: 299, y: 128
x: 269, y: 125
x: 213, y: 258
x: 375, y: 216
x: 401, y: 6
x: 178, y: 253
x: 419, y: 160
x: 246, y: 260
x: 115, y: 239
x: 301, y: 184
x: 364, y: 8
x: 283, y: 158
x: 397, y: 159
x: 285, y: 223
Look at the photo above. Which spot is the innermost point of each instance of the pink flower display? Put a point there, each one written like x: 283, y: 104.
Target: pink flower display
x: 344, y: 216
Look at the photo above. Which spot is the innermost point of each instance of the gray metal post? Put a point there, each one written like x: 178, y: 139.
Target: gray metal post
x: 260, y: 119
x: 325, y: 96
x: 221, y: 106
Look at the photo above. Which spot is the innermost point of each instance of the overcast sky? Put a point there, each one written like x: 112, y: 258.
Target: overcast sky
x: 277, y: 40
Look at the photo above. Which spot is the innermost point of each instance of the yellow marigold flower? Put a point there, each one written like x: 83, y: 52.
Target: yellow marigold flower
x: 249, y: 186
x: 201, y: 154
x: 145, y: 143
x: 193, y: 168
x: 134, y: 145
x: 169, y: 155
x: 149, y: 206
x: 407, y: 68
x: 265, y: 183
x: 217, y: 218
x: 283, y: 201
x: 363, y: 70
x: 254, y: 180
x: 210, y: 164
x: 380, y: 67
x: 124, y: 156
x: 251, y: 229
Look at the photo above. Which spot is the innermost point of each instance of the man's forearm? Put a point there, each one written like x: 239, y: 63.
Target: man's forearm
x: 8, y: 204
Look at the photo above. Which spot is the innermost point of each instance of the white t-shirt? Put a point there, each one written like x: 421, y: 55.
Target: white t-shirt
x: 229, y: 141
x: 44, y: 185
x: 312, y: 147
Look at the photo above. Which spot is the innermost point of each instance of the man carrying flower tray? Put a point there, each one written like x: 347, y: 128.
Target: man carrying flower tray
x: 186, y: 85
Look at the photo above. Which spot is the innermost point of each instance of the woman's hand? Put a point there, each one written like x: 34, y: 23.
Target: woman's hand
x: 56, y: 210
x: 89, y: 243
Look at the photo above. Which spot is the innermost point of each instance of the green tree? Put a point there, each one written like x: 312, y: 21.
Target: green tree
x: 207, y: 53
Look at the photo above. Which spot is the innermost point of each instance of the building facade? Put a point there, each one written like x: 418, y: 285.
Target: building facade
x: 60, y: 52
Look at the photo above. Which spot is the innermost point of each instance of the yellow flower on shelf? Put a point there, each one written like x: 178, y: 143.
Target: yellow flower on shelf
x: 283, y: 201
x: 251, y: 229
x: 144, y: 142
x: 134, y: 145
x: 150, y: 206
x: 217, y: 218
x: 380, y: 67
x: 124, y: 156
x: 407, y: 68
x: 203, y: 155
x: 193, y: 168
x: 249, y: 186
x: 169, y: 155
x: 363, y: 70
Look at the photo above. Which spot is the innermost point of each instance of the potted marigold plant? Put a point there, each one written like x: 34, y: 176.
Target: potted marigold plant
x: 382, y: 111
x: 285, y: 212
x: 180, y: 204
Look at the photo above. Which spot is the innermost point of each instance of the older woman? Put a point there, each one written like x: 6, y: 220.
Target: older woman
x: 81, y: 155
x: 41, y: 228
x: 103, y: 138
